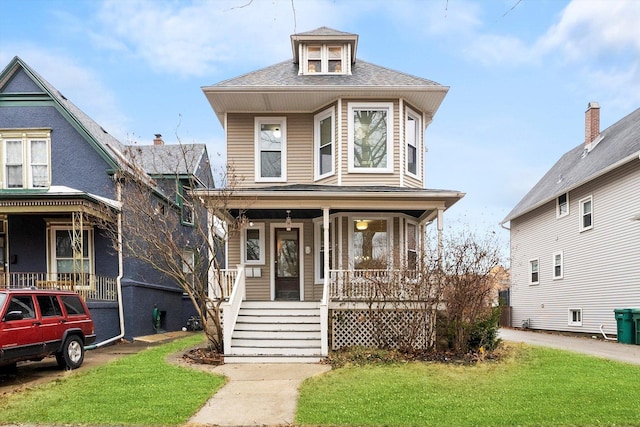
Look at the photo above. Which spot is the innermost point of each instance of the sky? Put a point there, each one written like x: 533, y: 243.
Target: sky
x: 520, y: 73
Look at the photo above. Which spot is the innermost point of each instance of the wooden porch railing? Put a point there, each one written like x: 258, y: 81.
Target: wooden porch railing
x: 90, y: 286
x: 370, y: 285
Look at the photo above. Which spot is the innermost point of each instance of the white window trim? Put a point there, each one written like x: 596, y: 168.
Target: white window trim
x: 318, y: 237
x: 388, y: 106
x: 65, y: 226
x: 390, y: 236
x: 581, y: 204
x: 553, y: 263
x: 570, y: 321
x: 317, y: 143
x: 324, y: 59
x: 26, y: 137
x: 531, y: 261
x: 418, y: 143
x: 558, y: 214
x: 282, y: 121
x: 261, y: 236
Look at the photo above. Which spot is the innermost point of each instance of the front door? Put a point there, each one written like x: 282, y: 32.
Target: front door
x: 287, y: 264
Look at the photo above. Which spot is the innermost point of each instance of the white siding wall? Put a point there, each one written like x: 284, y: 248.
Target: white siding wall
x: 601, y: 265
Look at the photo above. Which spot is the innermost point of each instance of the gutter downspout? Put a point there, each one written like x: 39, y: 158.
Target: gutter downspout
x: 118, y: 279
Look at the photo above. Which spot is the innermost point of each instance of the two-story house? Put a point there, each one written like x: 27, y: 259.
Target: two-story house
x: 61, y: 190
x: 329, y: 152
x: 575, y: 237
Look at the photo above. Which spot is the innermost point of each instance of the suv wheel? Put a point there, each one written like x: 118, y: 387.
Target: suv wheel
x: 72, y: 353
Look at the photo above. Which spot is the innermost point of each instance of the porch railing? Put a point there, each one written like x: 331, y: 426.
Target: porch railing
x: 231, y: 308
x: 90, y: 286
x: 370, y: 285
x: 223, y: 283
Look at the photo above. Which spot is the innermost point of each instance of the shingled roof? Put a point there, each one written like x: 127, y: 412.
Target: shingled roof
x: 618, y: 145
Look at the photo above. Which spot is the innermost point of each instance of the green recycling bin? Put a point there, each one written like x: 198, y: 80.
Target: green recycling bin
x: 624, y: 319
x: 635, y: 314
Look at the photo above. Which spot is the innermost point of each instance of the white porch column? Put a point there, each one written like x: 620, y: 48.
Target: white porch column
x: 324, y: 304
x: 440, y: 228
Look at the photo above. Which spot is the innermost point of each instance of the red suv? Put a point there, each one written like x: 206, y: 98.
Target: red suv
x: 35, y: 324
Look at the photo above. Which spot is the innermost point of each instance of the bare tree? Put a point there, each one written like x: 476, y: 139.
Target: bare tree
x: 168, y: 234
x: 452, y: 286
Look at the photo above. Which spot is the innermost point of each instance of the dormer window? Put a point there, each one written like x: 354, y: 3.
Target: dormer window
x: 324, y: 59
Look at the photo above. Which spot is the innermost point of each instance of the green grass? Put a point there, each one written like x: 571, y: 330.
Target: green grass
x: 138, y: 389
x: 534, y: 387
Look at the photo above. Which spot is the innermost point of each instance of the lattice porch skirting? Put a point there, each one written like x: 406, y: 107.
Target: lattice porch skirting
x: 353, y: 327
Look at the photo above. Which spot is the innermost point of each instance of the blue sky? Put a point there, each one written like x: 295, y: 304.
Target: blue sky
x: 520, y: 72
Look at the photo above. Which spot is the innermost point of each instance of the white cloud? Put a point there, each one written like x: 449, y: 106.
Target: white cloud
x: 193, y: 39
x: 491, y: 49
x: 590, y: 28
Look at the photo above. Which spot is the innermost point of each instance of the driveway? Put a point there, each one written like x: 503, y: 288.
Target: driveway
x: 597, y: 346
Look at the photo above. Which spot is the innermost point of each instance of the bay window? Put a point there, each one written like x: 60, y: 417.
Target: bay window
x: 370, y: 243
x: 370, y: 131
x: 412, y: 141
x: 324, y: 131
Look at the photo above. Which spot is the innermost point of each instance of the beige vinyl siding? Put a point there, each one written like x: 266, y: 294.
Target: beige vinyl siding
x: 240, y: 147
x: 601, y: 266
x: 300, y: 149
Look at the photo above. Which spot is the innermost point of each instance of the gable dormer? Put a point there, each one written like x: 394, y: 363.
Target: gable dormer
x: 324, y: 51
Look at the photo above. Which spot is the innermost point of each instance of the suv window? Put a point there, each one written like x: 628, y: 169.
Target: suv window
x: 49, y: 306
x: 23, y: 304
x: 73, y: 305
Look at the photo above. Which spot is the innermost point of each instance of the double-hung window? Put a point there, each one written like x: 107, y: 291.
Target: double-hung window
x: 586, y: 213
x: 370, y: 131
x: 534, y: 272
x: 558, y: 268
x: 270, y: 149
x: 63, y: 244
x: 412, y: 141
x: 562, y: 205
x: 26, y: 159
x: 324, y: 134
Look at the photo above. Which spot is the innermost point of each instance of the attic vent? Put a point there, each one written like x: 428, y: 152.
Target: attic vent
x: 560, y: 178
x: 584, y: 153
x: 102, y: 129
x: 62, y: 96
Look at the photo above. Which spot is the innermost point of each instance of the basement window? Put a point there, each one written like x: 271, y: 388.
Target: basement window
x: 575, y: 317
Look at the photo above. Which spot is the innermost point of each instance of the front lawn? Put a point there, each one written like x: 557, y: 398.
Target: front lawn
x: 533, y: 387
x: 139, y: 389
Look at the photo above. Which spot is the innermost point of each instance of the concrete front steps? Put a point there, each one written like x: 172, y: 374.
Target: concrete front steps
x: 276, y: 332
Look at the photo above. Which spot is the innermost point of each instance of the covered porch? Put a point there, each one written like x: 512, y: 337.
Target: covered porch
x: 320, y: 246
x: 55, y: 239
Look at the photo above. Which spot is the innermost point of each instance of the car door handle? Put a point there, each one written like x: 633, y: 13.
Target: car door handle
x: 36, y: 323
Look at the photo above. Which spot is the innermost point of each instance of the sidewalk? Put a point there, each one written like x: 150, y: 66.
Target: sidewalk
x: 613, y: 350
x: 256, y: 394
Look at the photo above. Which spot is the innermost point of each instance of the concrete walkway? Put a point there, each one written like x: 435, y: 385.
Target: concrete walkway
x: 613, y: 350
x: 256, y: 394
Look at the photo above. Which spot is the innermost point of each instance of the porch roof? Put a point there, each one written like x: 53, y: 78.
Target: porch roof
x: 57, y: 199
x: 417, y: 202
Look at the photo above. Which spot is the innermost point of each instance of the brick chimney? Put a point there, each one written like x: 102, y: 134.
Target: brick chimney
x: 591, y: 123
x: 158, y: 140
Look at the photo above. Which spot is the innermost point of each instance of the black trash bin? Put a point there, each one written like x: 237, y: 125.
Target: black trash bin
x: 626, y: 330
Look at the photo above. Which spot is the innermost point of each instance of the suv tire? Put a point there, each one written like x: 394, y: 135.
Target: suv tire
x: 72, y: 353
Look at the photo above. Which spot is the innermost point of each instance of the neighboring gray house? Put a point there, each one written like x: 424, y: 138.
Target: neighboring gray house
x: 331, y: 152
x: 575, y: 237
x: 60, y: 181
